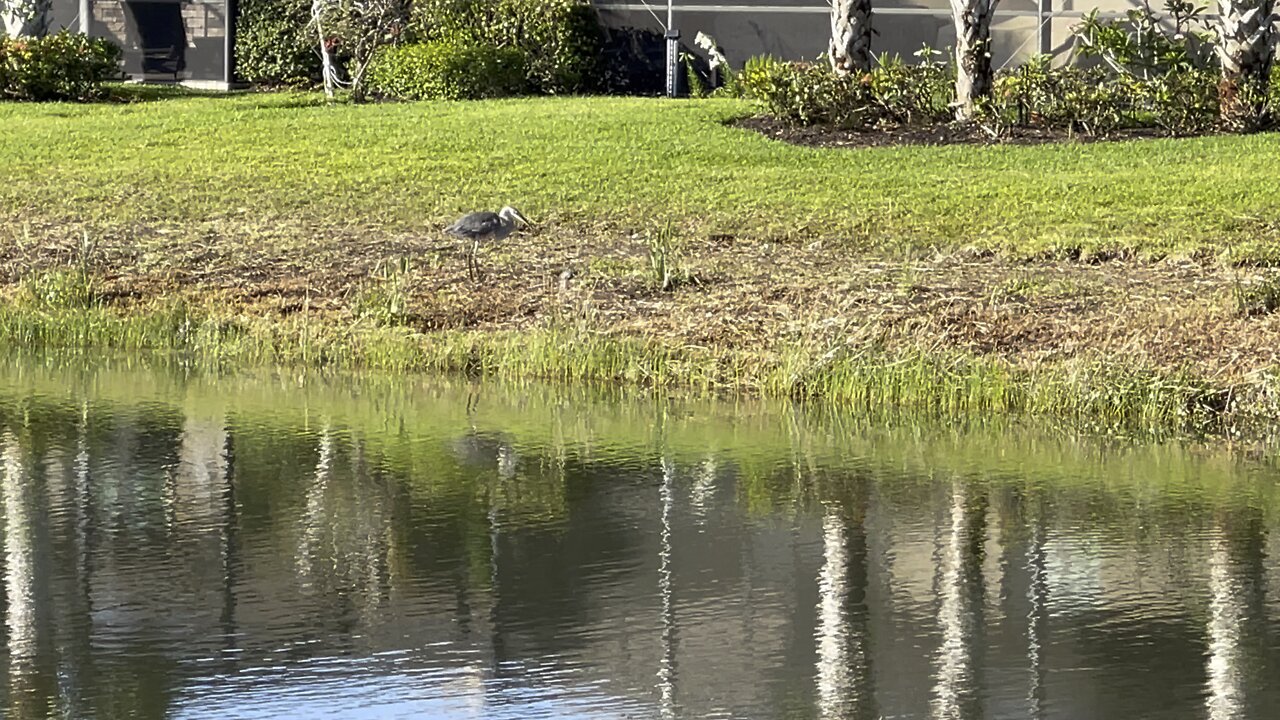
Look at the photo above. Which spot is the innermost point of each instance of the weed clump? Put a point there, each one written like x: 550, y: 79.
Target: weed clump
x: 384, y: 297
x: 666, y: 265
x: 1258, y: 297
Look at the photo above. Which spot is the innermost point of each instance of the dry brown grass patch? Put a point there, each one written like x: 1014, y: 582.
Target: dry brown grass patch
x: 755, y: 296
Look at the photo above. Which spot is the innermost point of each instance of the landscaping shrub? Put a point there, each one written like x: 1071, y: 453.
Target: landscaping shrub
x: 811, y: 93
x: 912, y: 94
x: 1088, y: 101
x: 275, y: 44
x: 1183, y: 103
x: 633, y: 62
x: 561, y: 39
x: 807, y: 93
x: 1096, y: 101
x: 444, y: 70
x: 1145, y: 45
x: 64, y: 66
x: 1143, y: 70
x: 1083, y: 100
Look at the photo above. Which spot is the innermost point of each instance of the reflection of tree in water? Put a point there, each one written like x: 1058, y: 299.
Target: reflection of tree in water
x: 19, y: 576
x: 844, y: 666
x: 568, y: 553
x: 344, y: 547
x: 1237, y: 629
x: 43, y: 476
x: 667, y: 701
x: 1022, y: 516
x: 702, y: 490
x: 960, y: 609
x: 522, y: 491
x: 1038, y: 613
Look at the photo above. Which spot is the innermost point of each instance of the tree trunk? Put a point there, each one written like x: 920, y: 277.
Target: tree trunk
x: 1246, y: 49
x: 25, y: 18
x: 973, y: 53
x: 850, y: 49
x: 328, y: 73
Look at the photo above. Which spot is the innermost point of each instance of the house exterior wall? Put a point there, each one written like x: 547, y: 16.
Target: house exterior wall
x: 799, y: 29
x: 195, y: 29
x: 64, y: 14
x: 791, y: 29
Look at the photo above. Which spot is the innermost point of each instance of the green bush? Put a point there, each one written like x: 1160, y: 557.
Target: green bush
x: 1184, y: 103
x: 64, y: 66
x: 807, y: 93
x: 275, y: 44
x: 1273, y: 93
x: 561, y: 39
x: 1145, y: 44
x: 913, y: 94
x: 1088, y: 101
x: 633, y: 62
x: 1150, y: 78
x: 442, y: 70
x: 1096, y: 101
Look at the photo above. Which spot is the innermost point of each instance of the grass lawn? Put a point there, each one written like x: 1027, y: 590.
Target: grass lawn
x: 1127, y: 285
x: 256, y: 161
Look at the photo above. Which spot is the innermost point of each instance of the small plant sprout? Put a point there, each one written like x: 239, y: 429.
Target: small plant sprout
x: 384, y: 298
x: 663, y: 257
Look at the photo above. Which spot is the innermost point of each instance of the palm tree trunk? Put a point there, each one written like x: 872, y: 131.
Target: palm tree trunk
x: 850, y: 49
x: 973, y: 53
x: 1246, y: 50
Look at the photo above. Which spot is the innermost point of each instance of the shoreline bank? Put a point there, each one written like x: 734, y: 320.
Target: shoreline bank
x: 1029, y: 341
x: 1129, y: 287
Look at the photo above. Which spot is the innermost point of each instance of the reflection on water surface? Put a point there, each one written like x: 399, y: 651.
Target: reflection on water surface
x: 251, y: 547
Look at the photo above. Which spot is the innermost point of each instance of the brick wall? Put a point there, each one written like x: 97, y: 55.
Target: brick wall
x: 110, y: 22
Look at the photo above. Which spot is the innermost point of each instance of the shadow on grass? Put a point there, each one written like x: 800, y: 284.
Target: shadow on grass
x: 131, y: 93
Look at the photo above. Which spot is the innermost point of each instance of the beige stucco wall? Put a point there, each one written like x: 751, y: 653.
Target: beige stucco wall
x: 798, y: 29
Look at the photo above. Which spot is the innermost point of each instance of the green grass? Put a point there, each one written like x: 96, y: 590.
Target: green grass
x: 1090, y: 394
x: 283, y: 160
x: 284, y: 168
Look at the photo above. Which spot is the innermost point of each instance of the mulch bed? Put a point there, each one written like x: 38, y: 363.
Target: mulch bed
x: 828, y: 136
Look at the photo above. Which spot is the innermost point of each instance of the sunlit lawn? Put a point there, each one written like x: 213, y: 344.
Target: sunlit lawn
x: 262, y: 159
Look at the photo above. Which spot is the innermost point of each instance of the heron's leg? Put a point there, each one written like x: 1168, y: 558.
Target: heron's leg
x: 475, y: 258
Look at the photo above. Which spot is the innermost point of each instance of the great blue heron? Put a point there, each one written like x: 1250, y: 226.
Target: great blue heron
x: 481, y: 227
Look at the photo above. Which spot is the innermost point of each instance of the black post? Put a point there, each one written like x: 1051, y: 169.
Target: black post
x: 673, y: 62
x: 229, y: 43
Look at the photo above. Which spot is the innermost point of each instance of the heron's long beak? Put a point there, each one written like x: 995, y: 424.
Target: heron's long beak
x: 520, y: 216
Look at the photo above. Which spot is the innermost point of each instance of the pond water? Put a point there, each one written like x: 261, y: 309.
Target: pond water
x: 270, y: 546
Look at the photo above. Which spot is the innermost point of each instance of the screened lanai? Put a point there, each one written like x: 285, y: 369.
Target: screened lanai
x: 798, y: 29
x: 187, y: 41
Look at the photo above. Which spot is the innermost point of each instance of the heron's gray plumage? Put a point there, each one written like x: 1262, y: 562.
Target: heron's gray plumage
x: 485, y: 226
x: 481, y: 226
